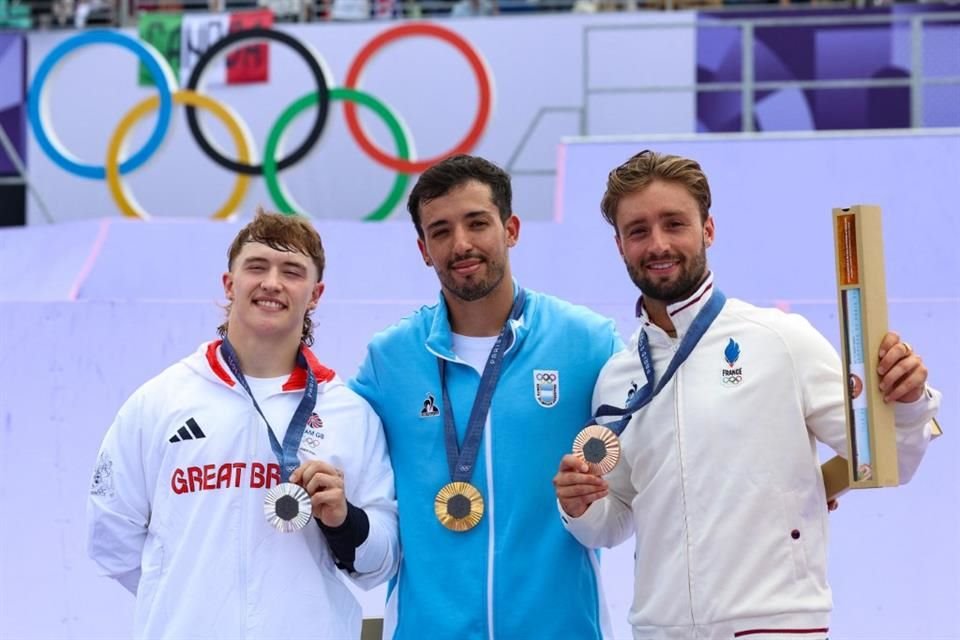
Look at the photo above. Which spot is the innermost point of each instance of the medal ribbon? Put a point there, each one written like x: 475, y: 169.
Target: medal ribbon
x: 286, y: 454
x: 461, y: 461
x: 642, y: 396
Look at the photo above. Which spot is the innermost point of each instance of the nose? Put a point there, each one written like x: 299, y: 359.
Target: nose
x: 271, y: 280
x: 658, y: 241
x: 461, y: 241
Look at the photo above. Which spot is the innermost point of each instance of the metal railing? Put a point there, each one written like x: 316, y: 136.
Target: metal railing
x: 44, y: 14
x: 748, y: 86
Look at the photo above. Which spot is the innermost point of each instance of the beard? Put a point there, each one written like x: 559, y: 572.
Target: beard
x: 474, y: 288
x: 692, y: 272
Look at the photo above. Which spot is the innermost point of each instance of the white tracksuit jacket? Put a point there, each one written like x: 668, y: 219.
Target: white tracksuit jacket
x: 179, y: 521
x: 720, y: 480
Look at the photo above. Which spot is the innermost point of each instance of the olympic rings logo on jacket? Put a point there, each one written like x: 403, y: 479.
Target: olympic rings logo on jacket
x: 404, y: 163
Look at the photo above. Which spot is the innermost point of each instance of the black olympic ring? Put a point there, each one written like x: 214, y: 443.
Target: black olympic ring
x: 546, y: 377
x: 323, y: 99
x: 312, y: 442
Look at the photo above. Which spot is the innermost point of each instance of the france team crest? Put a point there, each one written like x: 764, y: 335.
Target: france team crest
x: 546, y: 387
x: 734, y: 375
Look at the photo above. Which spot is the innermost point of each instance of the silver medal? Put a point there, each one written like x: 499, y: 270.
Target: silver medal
x: 287, y: 507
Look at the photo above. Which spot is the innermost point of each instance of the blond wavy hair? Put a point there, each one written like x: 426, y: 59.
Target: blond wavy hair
x: 643, y: 168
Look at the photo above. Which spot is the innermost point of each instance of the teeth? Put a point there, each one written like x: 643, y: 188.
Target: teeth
x: 269, y: 303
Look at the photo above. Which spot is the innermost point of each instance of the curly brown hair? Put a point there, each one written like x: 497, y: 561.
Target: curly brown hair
x: 281, y: 232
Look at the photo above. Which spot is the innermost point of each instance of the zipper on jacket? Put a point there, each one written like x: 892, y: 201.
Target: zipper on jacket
x: 244, y: 524
x: 488, y: 499
x: 491, y: 533
x: 488, y: 456
x: 488, y: 452
x: 683, y: 490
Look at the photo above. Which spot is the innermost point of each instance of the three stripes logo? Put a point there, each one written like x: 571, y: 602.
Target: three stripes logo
x: 190, y: 431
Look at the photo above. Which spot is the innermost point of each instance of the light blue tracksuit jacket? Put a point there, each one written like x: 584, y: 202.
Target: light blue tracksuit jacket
x: 518, y: 573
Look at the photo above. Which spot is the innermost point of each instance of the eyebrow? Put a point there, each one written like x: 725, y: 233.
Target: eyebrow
x: 261, y: 260
x: 663, y: 215
x: 470, y: 215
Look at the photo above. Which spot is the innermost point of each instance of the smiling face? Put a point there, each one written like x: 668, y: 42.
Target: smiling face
x: 270, y: 293
x: 466, y: 242
x: 663, y: 241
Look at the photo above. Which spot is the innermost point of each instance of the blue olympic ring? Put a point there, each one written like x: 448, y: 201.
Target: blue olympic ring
x: 157, y: 70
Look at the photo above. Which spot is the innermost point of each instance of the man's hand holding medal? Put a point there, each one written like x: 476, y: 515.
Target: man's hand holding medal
x: 324, y: 484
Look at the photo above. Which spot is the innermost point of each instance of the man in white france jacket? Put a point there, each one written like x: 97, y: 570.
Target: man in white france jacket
x: 719, y: 477
x: 176, y: 511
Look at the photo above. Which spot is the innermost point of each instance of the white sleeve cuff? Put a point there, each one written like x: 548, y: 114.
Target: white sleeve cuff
x: 914, y: 415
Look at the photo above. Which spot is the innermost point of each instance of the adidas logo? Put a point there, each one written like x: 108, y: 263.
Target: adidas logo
x: 183, y: 434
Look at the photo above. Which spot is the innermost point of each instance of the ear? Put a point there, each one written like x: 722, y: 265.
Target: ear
x: 512, y: 227
x: 228, y: 286
x: 709, y: 232
x: 423, y: 252
x: 315, y: 295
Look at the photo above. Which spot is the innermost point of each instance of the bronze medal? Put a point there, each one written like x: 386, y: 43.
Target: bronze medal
x: 599, y: 447
x: 459, y: 506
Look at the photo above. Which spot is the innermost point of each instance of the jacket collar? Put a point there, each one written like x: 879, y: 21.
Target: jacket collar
x: 682, y: 312
x: 296, y: 382
x: 440, y: 339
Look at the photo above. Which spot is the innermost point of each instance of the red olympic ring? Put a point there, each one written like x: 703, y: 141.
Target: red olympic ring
x: 484, y: 87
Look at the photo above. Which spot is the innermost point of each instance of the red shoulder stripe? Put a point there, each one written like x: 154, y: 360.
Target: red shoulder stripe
x: 750, y: 632
x: 298, y: 379
x: 215, y: 365
x: 694, y: 301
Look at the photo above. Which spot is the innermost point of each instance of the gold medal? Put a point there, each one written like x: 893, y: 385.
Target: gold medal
x: 459, y: 506
x: 599, y: 447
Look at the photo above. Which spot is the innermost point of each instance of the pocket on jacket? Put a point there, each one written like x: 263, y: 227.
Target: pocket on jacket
x: 793, y: 530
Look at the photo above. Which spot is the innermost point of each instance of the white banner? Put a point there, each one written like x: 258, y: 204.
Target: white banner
x: 201, y: 31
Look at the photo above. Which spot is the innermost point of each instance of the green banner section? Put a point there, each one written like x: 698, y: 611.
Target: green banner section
x: 162, y: 30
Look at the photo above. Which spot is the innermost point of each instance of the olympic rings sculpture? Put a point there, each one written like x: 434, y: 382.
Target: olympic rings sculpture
x: 169, y: 94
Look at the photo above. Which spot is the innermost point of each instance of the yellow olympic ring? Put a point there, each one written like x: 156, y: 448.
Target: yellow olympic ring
x: 119, y: 191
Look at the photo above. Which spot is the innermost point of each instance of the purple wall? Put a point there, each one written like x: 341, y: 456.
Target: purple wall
x: 13, y: 88
x: 828, y: 52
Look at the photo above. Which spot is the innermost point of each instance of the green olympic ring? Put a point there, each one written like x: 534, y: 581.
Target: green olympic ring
x: 401, y: 138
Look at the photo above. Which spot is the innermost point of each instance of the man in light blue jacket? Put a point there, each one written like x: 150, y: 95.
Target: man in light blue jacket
x: 479, y: 395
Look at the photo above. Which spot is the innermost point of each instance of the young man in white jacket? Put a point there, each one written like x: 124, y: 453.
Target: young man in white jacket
x: 210, y: 467
x: 719, y: 477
